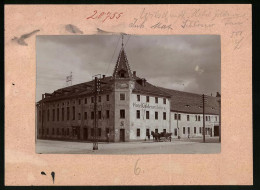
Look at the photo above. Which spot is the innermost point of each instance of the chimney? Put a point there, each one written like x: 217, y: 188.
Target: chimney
x: 143, y: 82
x: 134, y: 73
x: 104, y: 76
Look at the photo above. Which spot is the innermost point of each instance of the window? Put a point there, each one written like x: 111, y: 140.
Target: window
x: 199, y: 118
x: 138, y: 114
x: 40, y: 116
x: 58, y: 114
x: 99, y: 132
x: 183, y: 130
x: 122, y: 114
x: 195, y: 130
x: 200, y: 130
x: 99, y: 98
x: 164, y: 100
x: 122, y: 96
x: 175, y: 116
x: 196, y: 117
x: 68, y: 131
x: 86, y: 100
x: 147, y: 115
x: 68, y: 113
x: 92, y: 99
x: 156, y: 100
x: 62, y: 114
x: 179, y: 116
x: 138, y: 132
x: 164, y: 130
x: 48, y: 115
x: 53, y: 131
x: 92, y: 115
x: 188, y: 130
x: 107, y: 113
x: 85, y: 115
x: 156, y: 130
x: 43, y: 114
x: 188, y: 118
x: 175, y: 132
x: 99, y: 114
x: 73, y: 112
x: 53, y: 114
x: 156, y: 115
x: 79, y: 116
x: 79, y: 101
x: 138, y: 98
x: 216, y: 118
x: 209, y: 118
x: 108, y: 97
x: 206, y: 118
x: 147, y: 98
x: 164, y: 115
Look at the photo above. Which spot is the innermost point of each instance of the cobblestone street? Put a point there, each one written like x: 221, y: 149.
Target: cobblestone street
x: 182, y: 146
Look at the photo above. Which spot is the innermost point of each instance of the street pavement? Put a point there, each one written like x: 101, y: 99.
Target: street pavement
x: 177, y: 146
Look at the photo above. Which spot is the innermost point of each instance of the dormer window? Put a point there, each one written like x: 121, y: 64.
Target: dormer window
x: 122, y: 75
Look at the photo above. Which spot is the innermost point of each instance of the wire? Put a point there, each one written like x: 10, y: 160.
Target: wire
x: 113, y: 55
x: 127, y: 40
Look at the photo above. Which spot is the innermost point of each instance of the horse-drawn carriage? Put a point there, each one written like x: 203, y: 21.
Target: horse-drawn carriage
x: 163, y: 136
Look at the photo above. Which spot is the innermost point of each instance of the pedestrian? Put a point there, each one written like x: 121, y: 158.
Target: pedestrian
x: 149, y: 137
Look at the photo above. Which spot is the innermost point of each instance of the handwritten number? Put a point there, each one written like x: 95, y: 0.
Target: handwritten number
x: 92, y: 16
x: 137, y: 170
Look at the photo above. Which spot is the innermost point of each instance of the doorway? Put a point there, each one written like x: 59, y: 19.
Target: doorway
x: 122, y: 135
x: 216, y: 131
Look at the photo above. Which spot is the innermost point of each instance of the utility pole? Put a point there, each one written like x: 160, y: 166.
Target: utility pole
x: 95, y: 142
x: 42, y: 114
x: 203, y: 99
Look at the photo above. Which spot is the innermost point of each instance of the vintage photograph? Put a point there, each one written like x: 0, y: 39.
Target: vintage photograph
x: 128, y: 94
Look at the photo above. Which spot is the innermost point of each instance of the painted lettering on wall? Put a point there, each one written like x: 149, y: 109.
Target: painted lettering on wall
x: 147, y: 106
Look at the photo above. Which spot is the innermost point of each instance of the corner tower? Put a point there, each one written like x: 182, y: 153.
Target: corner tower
x: 123, y: 86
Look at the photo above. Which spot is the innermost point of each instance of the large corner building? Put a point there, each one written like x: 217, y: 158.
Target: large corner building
x: 128, y: 108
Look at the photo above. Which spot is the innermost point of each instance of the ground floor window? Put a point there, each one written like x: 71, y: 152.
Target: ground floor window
x: 183, y: 130
x: 62, y: 131
x: 200, y: 130
x: 58, y: 131
x: 47, y: 131
x: 99, y: 132
x: 147, y: 132
x: 107, y: 130
x: 138, y: 132
x: 195, y: 130
x: 175, y: 132
x: 68, y: 131
x: 156, y: 130
x: 164, y: 130
x: 53, y: 131
x: 188, y: 130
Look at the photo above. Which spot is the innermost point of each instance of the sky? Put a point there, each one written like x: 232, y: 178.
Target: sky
x: 189, y: 63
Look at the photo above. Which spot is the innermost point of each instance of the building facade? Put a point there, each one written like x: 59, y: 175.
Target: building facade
x: 128, y: 108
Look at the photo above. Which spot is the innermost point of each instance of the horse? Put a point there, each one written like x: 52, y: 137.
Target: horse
x: 156, y: 136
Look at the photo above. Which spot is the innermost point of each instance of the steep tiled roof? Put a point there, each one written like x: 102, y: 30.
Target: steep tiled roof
x: 78, y: 90
x: 186, y: 102
x: 122, y: 66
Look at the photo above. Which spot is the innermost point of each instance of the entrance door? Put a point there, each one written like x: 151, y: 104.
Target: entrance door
x: 216, y: 130
x: 122, y: 135
x: 85, y: 134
